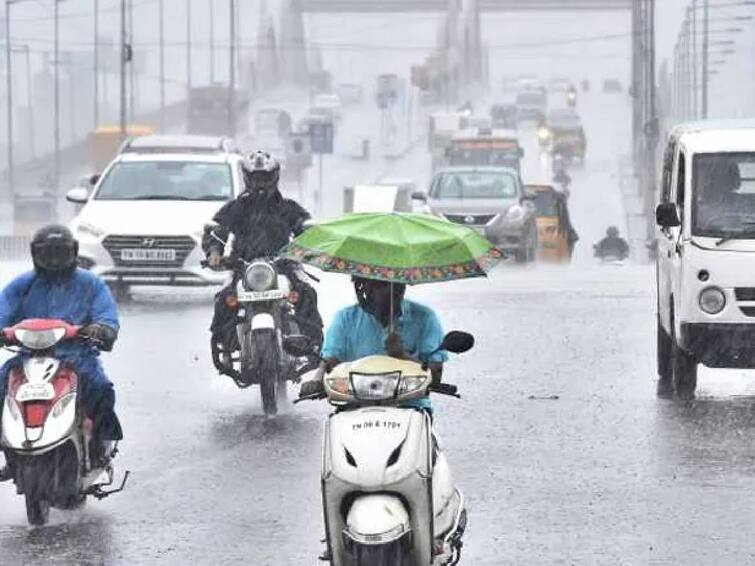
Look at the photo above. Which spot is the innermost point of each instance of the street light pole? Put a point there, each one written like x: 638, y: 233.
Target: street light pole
x: 124, y: 56
x: 188, y: 49
x: 212, y: 41
x: 96, y: 63
x: 695, y: 94
x: 9, y: 88
x: 162, y: 64
x: 231, y: 127
x: 56, y: 87
x: 706, y: 13
x: 29, y: 99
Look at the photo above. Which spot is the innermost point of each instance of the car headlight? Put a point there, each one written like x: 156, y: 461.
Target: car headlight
x: 712, y: 300
x: 515, y: 214
x: 90, y: 230
x: 259, y: 276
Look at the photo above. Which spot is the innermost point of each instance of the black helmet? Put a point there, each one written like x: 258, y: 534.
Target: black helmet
x: 261, y: 172
x: 612, y: 232
x: 374, y: 296
x: 54, y: 250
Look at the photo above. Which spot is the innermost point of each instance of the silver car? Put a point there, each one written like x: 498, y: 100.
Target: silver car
x: 491, y: 200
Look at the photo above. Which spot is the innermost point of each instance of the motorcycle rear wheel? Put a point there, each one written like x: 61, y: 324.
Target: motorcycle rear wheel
x: 266, y: 351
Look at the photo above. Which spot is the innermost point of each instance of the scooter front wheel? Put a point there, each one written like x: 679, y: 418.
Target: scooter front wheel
x: 37, y: 510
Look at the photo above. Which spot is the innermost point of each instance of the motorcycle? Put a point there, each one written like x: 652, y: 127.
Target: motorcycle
x: 263, y: 303
x: 610, y: 258
x: 387, y: 492
x: 46, y: 437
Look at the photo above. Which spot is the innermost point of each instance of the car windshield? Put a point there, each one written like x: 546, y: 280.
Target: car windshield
x: 546, y: 203
x: 724, y: 195
x: 167, y: 180
x: 475, y: 184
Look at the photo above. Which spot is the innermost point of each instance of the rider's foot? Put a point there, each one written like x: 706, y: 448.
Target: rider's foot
x: 102, y: 453
x: 6, y: 474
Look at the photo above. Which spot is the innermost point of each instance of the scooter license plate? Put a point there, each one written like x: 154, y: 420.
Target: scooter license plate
x: 35, y: 392
x: 254, y: 296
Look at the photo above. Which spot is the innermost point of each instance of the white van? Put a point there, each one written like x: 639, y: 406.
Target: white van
x: 706, y: 253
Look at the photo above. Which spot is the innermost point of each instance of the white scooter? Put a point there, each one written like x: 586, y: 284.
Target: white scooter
x: 45, y: 435
x: 387, y: 491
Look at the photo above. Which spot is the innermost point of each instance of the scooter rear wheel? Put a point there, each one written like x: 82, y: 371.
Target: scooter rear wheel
x: 37, y: 510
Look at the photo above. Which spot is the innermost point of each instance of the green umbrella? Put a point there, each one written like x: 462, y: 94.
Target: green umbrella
x: 400, y: 248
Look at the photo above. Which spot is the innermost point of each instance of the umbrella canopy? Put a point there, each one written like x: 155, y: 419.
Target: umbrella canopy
x: 400, y: 248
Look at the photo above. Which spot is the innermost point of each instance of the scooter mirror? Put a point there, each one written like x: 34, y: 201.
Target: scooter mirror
x: 457, y: 342
x: 298, y: 345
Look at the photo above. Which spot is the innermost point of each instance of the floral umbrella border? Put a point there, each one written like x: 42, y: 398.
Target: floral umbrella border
x: 410, y: 275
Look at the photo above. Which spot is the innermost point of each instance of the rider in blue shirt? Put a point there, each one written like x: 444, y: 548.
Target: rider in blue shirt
x: 363, y: 330
x: 57, y: 289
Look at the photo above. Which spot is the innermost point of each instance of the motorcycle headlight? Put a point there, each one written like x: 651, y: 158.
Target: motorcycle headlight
x: 515, y: 214
x: 259, y: 276
x: 543, y: 134
x: 375, y: 387
x: 712, y: 300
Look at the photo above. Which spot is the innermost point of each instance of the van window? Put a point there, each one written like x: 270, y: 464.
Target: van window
x: 668, y: 169
x: 724, y: 195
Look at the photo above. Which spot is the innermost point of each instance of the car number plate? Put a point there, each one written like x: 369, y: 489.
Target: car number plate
x: 129, y: 254
x: 253, y: 296
x: 35, y: 392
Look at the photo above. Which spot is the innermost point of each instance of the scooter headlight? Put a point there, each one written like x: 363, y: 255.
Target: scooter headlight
x: 375, y: 387
x: 712, y: 300
x: 259, y: 276
x: 412, y: 383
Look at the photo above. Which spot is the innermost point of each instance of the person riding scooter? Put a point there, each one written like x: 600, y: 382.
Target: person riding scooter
x: 363, y: 330
x: 612, y: 246
x: 57, y: 289
x: 262, y: 222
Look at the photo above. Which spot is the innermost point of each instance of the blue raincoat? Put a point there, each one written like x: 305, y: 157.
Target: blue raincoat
x: 80, y: 298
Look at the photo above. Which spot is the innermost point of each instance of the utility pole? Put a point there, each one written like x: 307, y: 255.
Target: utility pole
x: 131, y: 70
x: 124, y: 56
x: 96, y: 63
x: 188, y: 49
x: 695, y: 84
x: 30, y: 101
x: 212, y: 41
x: 705, y: 77
x: 9, y: 88
x: 56, y: 87
x: 162, y: 64
x: 231, y: 126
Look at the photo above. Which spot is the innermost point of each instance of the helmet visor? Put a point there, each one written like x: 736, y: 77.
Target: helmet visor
x: 54, y: 256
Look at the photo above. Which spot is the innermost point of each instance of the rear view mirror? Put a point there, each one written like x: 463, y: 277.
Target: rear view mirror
x: 298, y: 345
x: 78, y: 195
x: 457, y: 342
x: 667, y: 216
x: 419, y: 195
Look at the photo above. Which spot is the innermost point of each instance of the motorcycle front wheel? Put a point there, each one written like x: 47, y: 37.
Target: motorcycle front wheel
x: 37, y: 510
x: 266, y: 352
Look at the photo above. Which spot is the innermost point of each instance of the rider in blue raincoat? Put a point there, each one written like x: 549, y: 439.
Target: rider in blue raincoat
x: 57, y: 289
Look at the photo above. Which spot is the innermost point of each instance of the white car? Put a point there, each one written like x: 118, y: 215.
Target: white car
x: 143, y: 222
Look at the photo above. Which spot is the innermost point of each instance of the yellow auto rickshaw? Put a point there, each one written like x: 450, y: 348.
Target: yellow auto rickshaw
x: 556, y: 235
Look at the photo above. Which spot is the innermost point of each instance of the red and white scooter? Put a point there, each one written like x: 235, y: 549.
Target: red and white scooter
x: 46, y: 436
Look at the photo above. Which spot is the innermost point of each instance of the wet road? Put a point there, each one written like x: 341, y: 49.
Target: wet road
x: 559, y: 443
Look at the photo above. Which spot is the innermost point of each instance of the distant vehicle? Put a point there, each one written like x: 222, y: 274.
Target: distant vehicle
x: 327, y: 104
x: 272, y: 121
x: 559, y: 84
x: 504, y: 116
x: 485, y: 146
x: 383, y: 196
x: 209, y: 111
x: 528, y: 82
x: 350, y: 93
x: 612, y: 85
x: 492, y: 200
x: 706, y: 252
x: 143, y: 222
x: 562, y: 134
x: 531, y: 105
x: 105, y: 141
x: 556, y: 235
